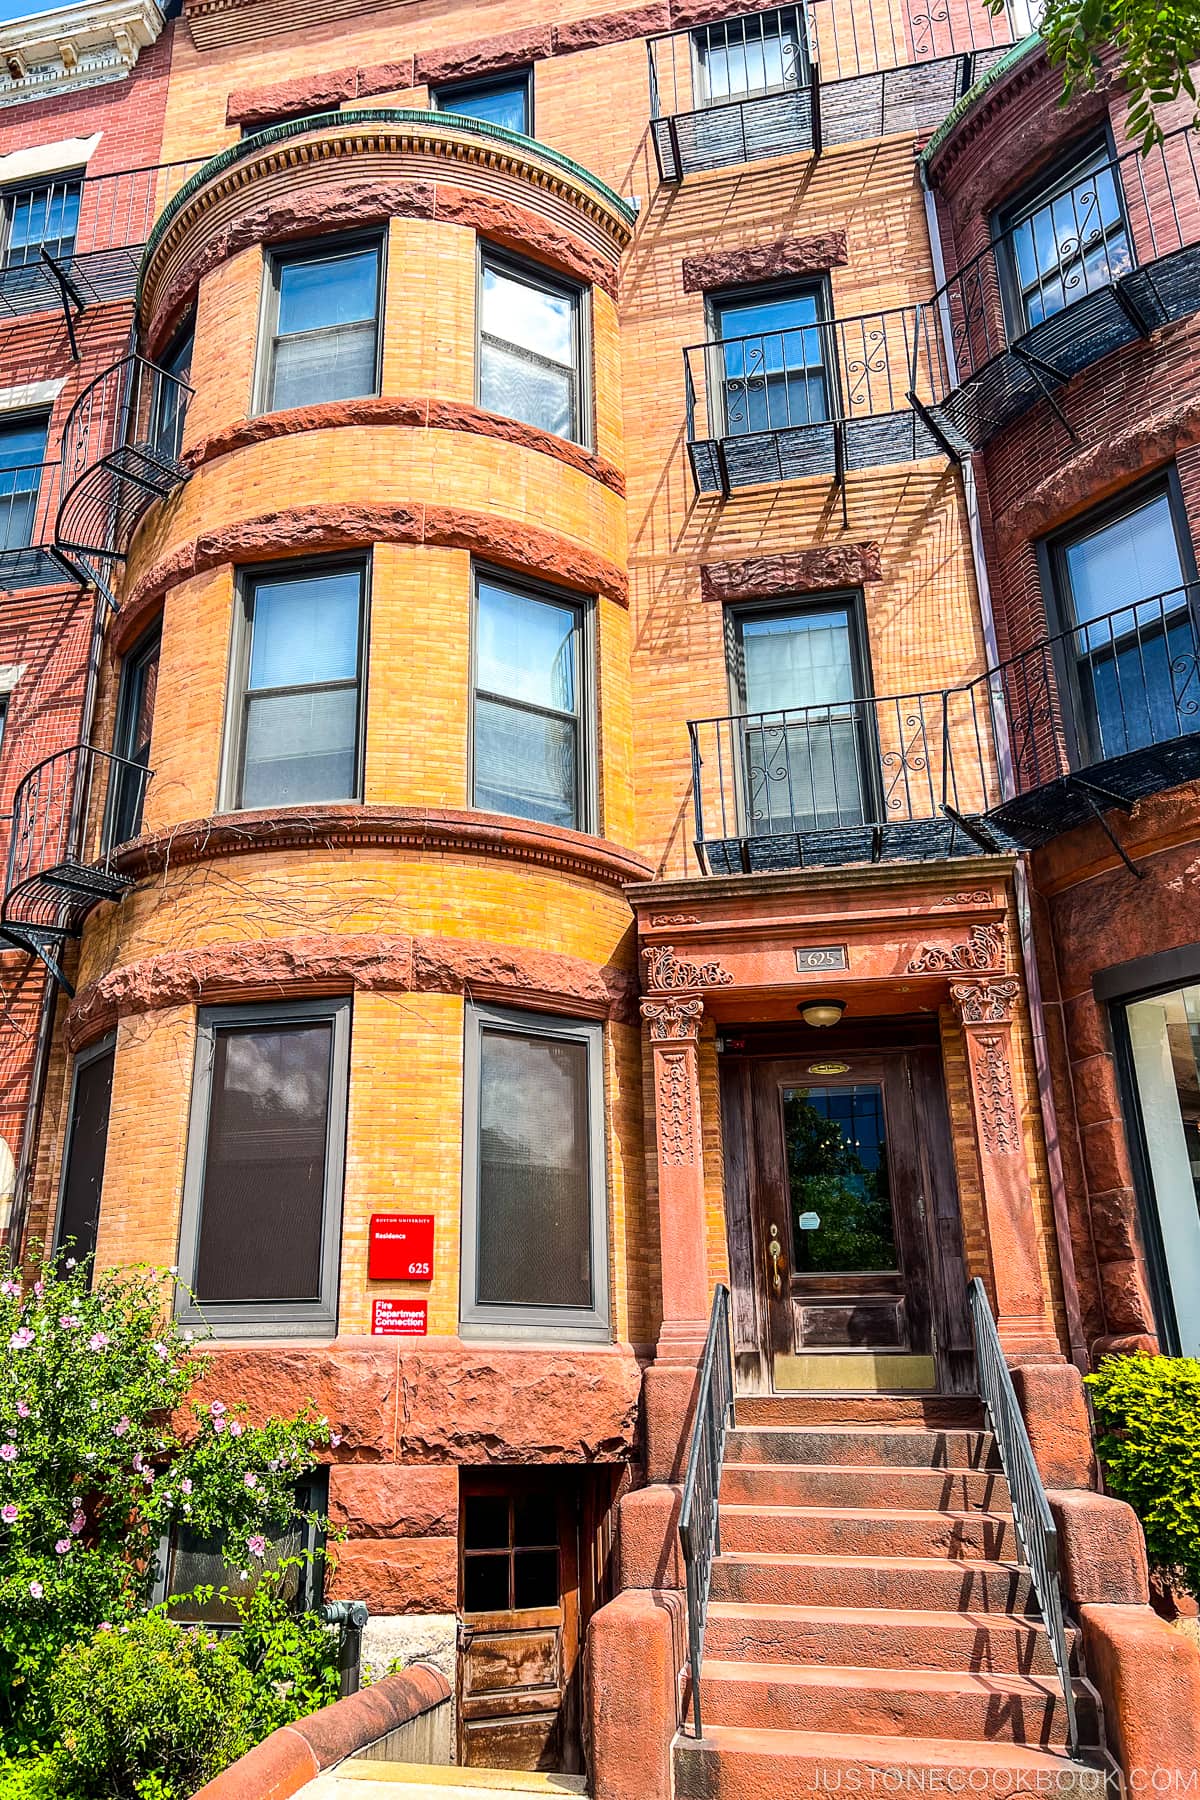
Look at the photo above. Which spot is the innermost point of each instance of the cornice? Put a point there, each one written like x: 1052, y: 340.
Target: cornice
x: 49, y: 53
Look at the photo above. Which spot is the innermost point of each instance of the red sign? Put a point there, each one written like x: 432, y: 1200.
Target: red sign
x: 399, y: 1318
x: 401, y: 1247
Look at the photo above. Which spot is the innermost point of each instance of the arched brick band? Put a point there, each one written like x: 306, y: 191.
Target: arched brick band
x: 430, y: 412
x: 545, y: 980
x: 309, y: 530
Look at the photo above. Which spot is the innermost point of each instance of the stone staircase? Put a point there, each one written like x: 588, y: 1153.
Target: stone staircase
x: 871, y: 1629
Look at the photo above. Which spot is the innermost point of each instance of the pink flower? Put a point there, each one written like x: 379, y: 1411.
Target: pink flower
x: 78, y: 1521
x: 185, y: 1486
x: 218, y: 1426
x: 62, y: 1546
x: 98, y: 1340
x: 257, y: 1545
x: 121, y: 1427
x: 71, y: 1263
x: 334, y: 1440
x: 39, y: 1288
x: 68, y: 1321
x: 10, y: 1289
x: 161, y: 1351
x: 8, y: 1453
x: 23, y: 1409
x: 250, y: 1478
x: 236, y: 1428
x: 8, y: 1514
x: 137, y: 1461
x: 36, y: 1589
x: 21, y: 1338
x: 217, y: 1408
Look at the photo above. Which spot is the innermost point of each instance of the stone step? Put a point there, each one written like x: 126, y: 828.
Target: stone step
x: 882, y: 1638
x: 908, y: 1703
x: 817, y: 1484
x: 362, y: 1778
x: 933, y: 1410
x: 855, y: 1531
x: 927, y: 1583
x: 731, y: 1763
x: 860, y: 1446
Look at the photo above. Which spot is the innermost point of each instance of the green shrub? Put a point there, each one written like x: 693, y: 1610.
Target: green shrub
x: 1148, y: 1413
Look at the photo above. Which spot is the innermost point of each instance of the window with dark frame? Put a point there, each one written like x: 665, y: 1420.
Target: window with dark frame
x: 260, y: 1236
x: 528, y: 751
x: 171, y: 393
x: 531, y: 347
x: 22, y: 458
x: 1129, y: 667
x: 772, y: 369
x: 806, y: 736
x: 535, y: 1237
x: 738, y: 59
x: 86, y: 1147
x: 136, y: 698
x: 322, y: 326
x: 1064, y: 237
x: 496, y: 100
x: 187, y: 1561
x: 43, y: 216
x: 300, y: 679
x: 510, y: 1552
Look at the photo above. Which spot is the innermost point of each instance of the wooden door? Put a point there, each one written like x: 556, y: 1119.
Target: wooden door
x: 518, y: 1700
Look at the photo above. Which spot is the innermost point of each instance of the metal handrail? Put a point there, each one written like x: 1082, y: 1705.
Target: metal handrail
x: 61, y: 810
x: 1036, y: 1530
x: 699, y: 1517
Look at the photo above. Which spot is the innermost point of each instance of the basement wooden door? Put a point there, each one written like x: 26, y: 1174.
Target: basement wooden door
x: 519, y: 1668
x: 854, y: 1242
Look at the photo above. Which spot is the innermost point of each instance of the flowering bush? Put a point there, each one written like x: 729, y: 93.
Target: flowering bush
x: 95, y: 1469
x: 1148, y: 1413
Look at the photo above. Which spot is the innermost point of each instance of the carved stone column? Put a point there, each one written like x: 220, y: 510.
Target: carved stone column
x: 985, y: 1007
x: 673, y: 1022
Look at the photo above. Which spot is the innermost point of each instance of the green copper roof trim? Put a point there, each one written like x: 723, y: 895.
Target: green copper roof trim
x: 381, y: 115
x: 1027, y: 47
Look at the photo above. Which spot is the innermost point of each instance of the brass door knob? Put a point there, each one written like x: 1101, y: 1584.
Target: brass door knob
x: 775, y: 1253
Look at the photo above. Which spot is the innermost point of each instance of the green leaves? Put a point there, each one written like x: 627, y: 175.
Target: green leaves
x: 1153, y: 44
x: 1148, y: 1413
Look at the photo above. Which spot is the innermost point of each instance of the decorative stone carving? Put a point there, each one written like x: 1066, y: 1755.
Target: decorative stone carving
x: 967, y: 897
x: 806, y: 571
x: 676, y: 1114
x: 662, y: 919
x: 983, y: 950
x: 764, y: 262
x: 985, y: 1002
x: 997, y: 1106
x: 671, y: 1019
x: 666, y: 970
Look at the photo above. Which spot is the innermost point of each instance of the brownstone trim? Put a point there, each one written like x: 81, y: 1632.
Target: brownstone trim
x: 434, y: 414
x: 820, y: 569
x: 764, y: 262
x: 482, y: 56
x: 611, y: 28
x: 312, y: 530
x: 211, y: 974
x: 314, y: 93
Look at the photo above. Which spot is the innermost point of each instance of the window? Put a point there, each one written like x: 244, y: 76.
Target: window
x: 45, y: 217
x: 807, y: 732
x: 771, y: 373
x: 528, y: 754
x: 131, y: 742
x: 298, y: 738
x: 22, y: 454
x: 86, y: 1145
x: 500, y: 100
x: 187, y: 1561
x: 1066, y: 238
x: 739, y: 58
x: 1130, y: 655
x: 510, y: 1551
x: 531, y: 348
x: 263, y: 1186
x: 171, y: 394
x: 323, y: 326
x: 535, y: 1234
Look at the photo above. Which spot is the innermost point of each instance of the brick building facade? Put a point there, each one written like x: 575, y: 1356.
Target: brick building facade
x: 559, y: 774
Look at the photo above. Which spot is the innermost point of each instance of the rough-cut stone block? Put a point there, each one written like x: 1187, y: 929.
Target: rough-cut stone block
x: 1056, y: 1416
x: 406, y: 1638
x: 482, y: 56
x: 306, y: 93
x: 810, y: 571
x: 393, y: 1501
x: 705, y: 12
x: 1102, y: 1552
x: 528, y: 233
x: 764, y: 262
x: 353, y: 1387
x: 481, y: 1405
x: 635, y: 1651
x: 651, y: 1556
x: 1148, y: 1676
x: 611, y: 28
x: 383, y: 78
x: 396, y: 1575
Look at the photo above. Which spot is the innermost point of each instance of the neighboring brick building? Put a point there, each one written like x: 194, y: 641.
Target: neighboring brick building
x: 559, y: 620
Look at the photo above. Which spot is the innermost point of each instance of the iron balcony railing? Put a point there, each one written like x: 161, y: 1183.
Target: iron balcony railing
x: 121, y: 450
x: 29, y: 498
x: 1106, y: 256
x: 1036, y: 1530
x: 850, y: 781
x: 70, y: 815
x: 802, y: 76
x: 699, y: 1514
x: 815, y: 398
x: 75, y: 240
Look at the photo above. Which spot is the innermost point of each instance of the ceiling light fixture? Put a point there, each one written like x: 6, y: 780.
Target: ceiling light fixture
x: 822, y: 1013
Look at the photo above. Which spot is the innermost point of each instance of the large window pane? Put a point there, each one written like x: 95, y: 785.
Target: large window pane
x: 22, y: 453
x: 534, y: 1226
x: 300, y: 747
x: 529, y: 362
x: 40, y: 216
x: 836, y: 1142
x: 1070, y: 239
x: 760, y: 54
x: 773, y: 363
x: 324, y: 337
x: 501, y: 102
x: 87, y: 1145
x: 135, y: 728
x: 1164, y: 1035
x: 264, y: 1167
x: 526, y: 752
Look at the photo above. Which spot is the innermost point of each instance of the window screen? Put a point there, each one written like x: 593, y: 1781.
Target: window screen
x: 527, y: 753
x: 530, y: 361
x: 87, y: 1144
x: 323, y: 341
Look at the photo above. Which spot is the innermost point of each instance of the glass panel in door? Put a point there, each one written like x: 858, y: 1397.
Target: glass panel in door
x: 840, y: 1194
x: 802, y: 736
x: 1164, y: 1037
x: 771, y: 374
x: 1135, y: 649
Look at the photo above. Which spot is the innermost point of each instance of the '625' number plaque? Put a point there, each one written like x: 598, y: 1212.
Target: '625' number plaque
x: 813, y: 957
